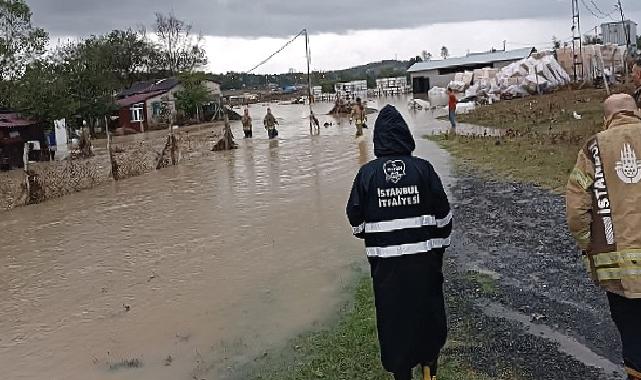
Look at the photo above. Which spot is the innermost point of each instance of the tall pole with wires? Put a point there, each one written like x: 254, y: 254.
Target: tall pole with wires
x: 309, y: 84
x: 309, y: 78
x: 577, y: 43
x: 627, y: 38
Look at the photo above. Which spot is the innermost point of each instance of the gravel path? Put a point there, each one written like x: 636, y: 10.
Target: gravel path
x: 518, y: 287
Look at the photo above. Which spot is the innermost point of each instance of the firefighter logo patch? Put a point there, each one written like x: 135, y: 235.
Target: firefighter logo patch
x: 394, y: 170
x: 629, y: 168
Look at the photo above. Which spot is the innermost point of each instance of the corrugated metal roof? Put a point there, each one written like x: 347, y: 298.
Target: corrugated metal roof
x: 472, y: 59
x: 139, y: 98
x: 12, y: 120
x: 150, y: 86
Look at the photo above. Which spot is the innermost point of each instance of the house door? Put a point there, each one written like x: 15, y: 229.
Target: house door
x: 420, y: 85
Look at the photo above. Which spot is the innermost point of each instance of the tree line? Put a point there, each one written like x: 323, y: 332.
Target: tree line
x: 79, y: 78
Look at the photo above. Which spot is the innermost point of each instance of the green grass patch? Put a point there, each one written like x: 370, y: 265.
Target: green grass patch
x: 485, y: 283
x: 542, y: 136
x: 347, y: 351
x: 520, y: 159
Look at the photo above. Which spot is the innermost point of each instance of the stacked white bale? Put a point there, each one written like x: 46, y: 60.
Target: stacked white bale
x: 468, y: 77
x: 438, y: 97
x: 458, y: 86
x: 531, y: 74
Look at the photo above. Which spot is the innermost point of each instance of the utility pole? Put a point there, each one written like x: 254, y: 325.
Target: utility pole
x: 577, y: 43
x: 627, y: 39
x: 309, y: 84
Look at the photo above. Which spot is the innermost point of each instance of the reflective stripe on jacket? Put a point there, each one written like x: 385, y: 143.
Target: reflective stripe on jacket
x: 604, y: 205
x: 398, y: 204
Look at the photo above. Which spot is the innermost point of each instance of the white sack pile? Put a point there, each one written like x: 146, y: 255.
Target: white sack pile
x: 525, y: 77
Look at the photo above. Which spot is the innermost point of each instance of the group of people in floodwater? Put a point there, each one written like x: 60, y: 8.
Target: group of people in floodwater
x: 269, y: 122
x: 358, y: 115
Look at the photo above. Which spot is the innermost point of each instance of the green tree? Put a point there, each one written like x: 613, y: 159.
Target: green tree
x: 20, y: 44
x: 556, y: 43
x: 92, y: 79
x: 414, y: 60
x: 131, y: 55
x: 445, y: 52
x: 193, y: 95
x: 44, y: 91
x: 181, y: 51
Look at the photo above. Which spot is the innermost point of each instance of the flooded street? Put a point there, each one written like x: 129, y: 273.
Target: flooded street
x: 184, y: 271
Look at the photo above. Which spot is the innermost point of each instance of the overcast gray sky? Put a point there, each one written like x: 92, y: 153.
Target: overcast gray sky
x: 257, y: 25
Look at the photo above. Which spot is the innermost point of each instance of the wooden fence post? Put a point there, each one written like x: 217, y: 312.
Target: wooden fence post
x: 25, y: 163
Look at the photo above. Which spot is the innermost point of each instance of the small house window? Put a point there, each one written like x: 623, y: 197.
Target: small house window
x: 137, y: 112
x: 156, y: 109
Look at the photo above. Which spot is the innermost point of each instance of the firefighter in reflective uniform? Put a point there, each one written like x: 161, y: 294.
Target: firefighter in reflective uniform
x: 636, y: 77
x: 359, y: 116
x: 247, y: 124
x: 270, y: 123
x: 398, y: 206
x: 604, y: 215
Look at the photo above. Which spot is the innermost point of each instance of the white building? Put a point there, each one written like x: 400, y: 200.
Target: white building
x: 317, y: 91
x: 439, y: 73
x: 391, y: 86
x: 617, y: 33
x: 352, y: 90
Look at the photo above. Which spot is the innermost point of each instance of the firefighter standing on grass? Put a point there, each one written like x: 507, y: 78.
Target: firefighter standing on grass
x: 604, y: 215
x: 398, y: 206
x: 636, y: 76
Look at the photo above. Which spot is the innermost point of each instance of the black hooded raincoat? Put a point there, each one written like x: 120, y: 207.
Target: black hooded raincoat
x: 399, y: 207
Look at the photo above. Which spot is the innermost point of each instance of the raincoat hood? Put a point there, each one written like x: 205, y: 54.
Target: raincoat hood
x: 392, y: 136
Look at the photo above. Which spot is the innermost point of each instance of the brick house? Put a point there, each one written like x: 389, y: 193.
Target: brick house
x: 140, y: 106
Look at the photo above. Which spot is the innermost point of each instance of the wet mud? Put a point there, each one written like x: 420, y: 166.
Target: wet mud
x: 518, y: 287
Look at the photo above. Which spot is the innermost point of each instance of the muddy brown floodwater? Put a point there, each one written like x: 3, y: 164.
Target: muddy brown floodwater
x: 183, y: 271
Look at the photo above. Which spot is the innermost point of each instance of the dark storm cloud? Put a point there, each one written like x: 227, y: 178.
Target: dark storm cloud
x: 252, y: 18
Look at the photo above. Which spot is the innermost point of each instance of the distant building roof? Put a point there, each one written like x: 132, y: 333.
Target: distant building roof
x: 12, y: 120
x: 618, y: 22
x: 163, y: 85
x: 473, y: 59
x: 138, y: 98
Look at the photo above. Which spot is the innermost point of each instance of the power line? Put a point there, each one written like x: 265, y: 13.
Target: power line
x: 276, y: 52
x: 599, y: 16
x: 597, y: 12
x: 594, y: 4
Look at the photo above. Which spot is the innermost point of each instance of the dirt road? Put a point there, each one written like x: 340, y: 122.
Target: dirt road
x: 518, y: 287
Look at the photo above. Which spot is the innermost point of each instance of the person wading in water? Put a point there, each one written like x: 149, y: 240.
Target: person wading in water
x: 359, y: 116
x: 270, y: 124
x: 399, y: 207
x: 247, y: 124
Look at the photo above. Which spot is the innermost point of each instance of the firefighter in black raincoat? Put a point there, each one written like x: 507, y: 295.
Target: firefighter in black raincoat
x: 398, y: 205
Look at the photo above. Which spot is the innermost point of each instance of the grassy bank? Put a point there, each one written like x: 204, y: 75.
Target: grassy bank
x: 349, y: 350
x: 542, y: 136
